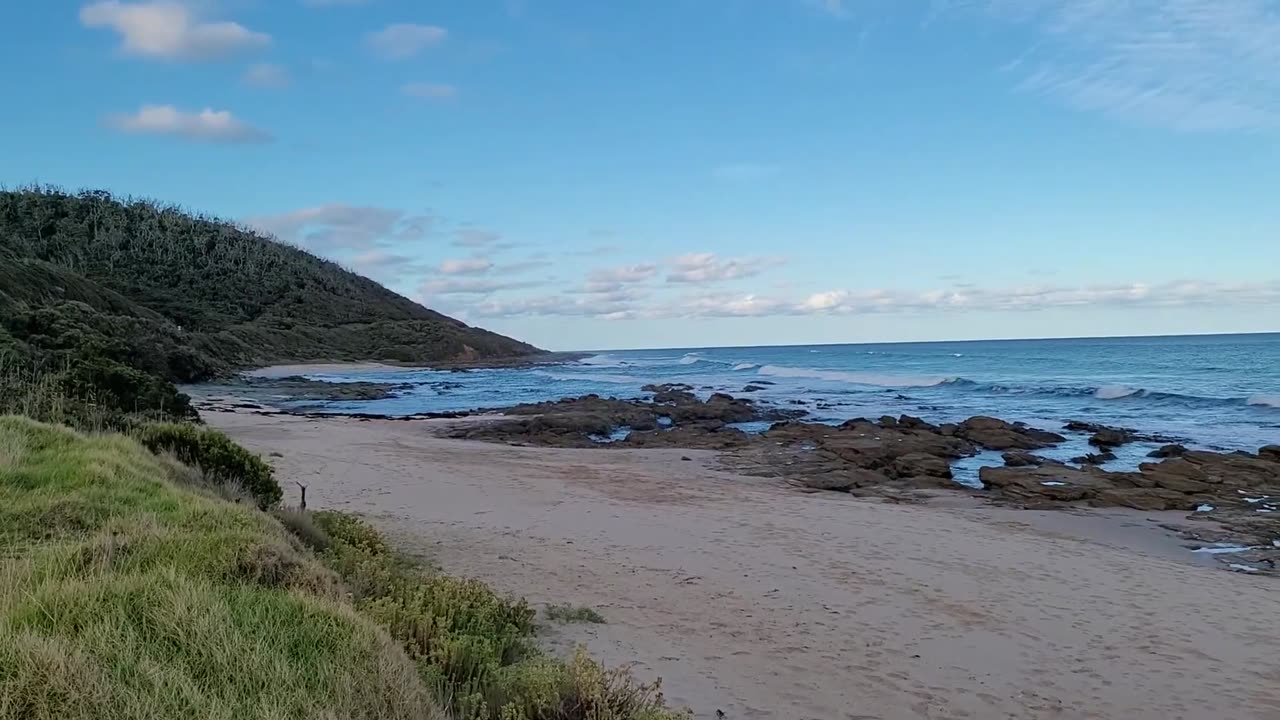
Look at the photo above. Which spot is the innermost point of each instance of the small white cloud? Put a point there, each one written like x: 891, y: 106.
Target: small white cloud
x: 206, y: 125
x: 404, y: 40
x: 466, y: 266
x: 169, y: 30
x: 266, y: 75
x: 473, y: 286
x: 709, y: 268
x: 623, y: 274
x: 429, y: 91
x: 338, y: 226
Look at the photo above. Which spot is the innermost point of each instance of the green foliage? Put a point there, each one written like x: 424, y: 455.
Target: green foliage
x: 126, y: 597
x: 220, y: 459
x: 474, y: 647
x: 571, y: 614
x: 185, y: 297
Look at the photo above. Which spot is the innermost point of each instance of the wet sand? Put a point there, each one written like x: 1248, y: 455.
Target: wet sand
x: 761, y: 601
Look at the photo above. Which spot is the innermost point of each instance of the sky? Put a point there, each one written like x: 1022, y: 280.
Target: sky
x: 673, y: 173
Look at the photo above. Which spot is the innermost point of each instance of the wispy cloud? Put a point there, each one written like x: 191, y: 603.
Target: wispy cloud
x: 621, y: 304
x: 169, y: 30
x: 1187, y: 65
x: 208, y: 125
x: 624, y: 274
x: 266, y: 75
x: 404, y: 40
x: 474, y: 286
x: 343, y: 227
x: 466, y: 266
x: 710, y: 268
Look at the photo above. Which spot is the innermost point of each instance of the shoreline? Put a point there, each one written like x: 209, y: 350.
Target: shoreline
x: 752, y: 597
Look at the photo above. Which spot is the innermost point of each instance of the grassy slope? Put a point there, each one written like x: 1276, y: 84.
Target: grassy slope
x: 125, y: 596
x: 130, y: 589
x: 188, y: 296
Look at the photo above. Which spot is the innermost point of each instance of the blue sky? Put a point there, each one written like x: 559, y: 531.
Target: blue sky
x: 700, y: 172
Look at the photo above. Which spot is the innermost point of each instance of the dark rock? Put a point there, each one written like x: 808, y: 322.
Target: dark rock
x: 1168, y: 451
x: 1150, y: 499
x: 1057, y: 483
x: 1270, y: 452
x: 921, y: 464
x: 686, y: 458
x: 752, y: 388
x: 995, y: 434
x: 1095, y: 458
x: 888, y: 422
x: 1020, y: 458
x: 1111, y: 437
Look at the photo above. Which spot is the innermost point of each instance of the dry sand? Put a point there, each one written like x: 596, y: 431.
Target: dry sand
x: 763, y: 602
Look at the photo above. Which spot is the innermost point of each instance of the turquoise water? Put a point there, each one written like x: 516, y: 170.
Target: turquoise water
x: 1220, y: 392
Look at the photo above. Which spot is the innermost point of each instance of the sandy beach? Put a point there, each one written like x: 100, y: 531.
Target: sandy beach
x: 752, y: 598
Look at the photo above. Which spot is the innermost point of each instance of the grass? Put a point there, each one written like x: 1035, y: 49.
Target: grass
x: 131, y: 588
x: 124, y: 595
x: 571, y: 614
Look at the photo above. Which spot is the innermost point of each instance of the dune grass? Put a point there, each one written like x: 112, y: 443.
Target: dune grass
x: 571, y: 614
x: 130, y: 587
x: 123, y: 595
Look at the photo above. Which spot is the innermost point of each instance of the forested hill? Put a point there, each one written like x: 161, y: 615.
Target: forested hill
x: 185, y: 297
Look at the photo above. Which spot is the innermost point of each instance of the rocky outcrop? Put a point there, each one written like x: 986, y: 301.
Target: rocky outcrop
x: 996, y: 434
x: 1021, y: 458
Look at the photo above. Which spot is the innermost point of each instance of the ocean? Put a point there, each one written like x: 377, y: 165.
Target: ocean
x: 1218, y: 392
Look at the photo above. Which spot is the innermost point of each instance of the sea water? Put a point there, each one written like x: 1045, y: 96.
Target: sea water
x: 1219, y: 392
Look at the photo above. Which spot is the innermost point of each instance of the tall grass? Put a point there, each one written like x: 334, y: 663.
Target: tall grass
x: 124, y: 596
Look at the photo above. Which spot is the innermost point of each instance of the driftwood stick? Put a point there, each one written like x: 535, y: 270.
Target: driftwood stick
x: 303, y: 488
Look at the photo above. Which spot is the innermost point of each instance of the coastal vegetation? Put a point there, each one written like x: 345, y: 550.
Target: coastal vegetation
x: 147, y: 567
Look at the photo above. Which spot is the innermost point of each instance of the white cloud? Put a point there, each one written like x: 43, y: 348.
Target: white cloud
x: 404, y: 40
x: 169, y: 30
x: 473, y: 286
x: 207, y: 125
x: 466, y: 266
x: 621, y: 303
x: 266, y: 75
x: 337, y: 226
x: 709, y: 268
x: 623, y: 274
x: 1187, y: 65
x: 429, y: 91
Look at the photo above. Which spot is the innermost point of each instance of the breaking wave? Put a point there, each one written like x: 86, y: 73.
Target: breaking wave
x: 744, y: 366
x: 855, y: 378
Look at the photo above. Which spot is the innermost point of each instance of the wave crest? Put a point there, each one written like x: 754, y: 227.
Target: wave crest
x: 1115, y: 392
x: 855, y: 378
x: 744, y: 366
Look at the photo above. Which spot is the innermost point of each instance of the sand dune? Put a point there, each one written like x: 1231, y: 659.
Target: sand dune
x: 763, y: 602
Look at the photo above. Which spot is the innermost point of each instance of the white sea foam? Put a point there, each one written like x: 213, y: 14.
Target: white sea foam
x: 744, y: 366
x: 1204, y: 508
x: 602, y: 360
x: 1264, y: 400
x: 592, y: 377
x: 1243, y: 568
x: 690, y: 359
x: 856, y: 378
x: 1115, y: 392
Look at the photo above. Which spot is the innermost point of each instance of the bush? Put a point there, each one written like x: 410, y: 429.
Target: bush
x: 474, y: 647
x: 571, y: 614
x: 215, y: 454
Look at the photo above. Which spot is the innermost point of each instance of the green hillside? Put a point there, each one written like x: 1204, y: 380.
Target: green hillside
x: 131, y: 296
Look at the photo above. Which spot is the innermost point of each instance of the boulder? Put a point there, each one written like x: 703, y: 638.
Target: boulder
x: 1168, y: 451
x: 1110, y: 437
x: 1150, y: 499
x: 1095, y: 458
x: 1270, y: 452
x: 921, y: 464
x: 1057, y: 483
x: 1021, y: 458
x: 995, y: 434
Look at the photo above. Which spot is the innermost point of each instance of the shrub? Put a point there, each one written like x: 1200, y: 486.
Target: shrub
x: 474, y: 647
x: 215, y: 454
x: 571, y: 614
x: 301, y: 524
